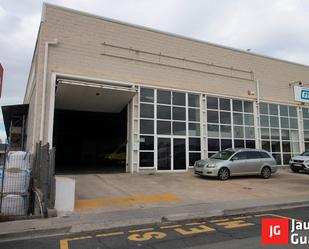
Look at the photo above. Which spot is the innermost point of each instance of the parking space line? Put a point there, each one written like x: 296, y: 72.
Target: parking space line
x: 276, y: 215
x: 109, y: 234
x: 170, y: 227
x: 196, y: 223
x: 64, y: 243
x: 141, y: 230
x: 243, y: 217
x: 234, y: 224
x: 221, y: 220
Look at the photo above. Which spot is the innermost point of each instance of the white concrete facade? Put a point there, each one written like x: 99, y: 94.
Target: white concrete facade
x: 90, y: 49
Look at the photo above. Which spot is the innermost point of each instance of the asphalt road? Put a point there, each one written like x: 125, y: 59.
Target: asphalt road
x: 220, y: 232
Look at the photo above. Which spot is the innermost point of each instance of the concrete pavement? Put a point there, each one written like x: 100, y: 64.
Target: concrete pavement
x: 196, y: 197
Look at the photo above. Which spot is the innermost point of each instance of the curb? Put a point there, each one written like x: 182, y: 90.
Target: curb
x: 69, y: 229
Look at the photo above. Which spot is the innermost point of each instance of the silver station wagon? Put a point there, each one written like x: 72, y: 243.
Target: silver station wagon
x: 239, y: 161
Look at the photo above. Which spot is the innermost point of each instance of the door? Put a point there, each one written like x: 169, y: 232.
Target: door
x: 238, y: 164
x: 164, y: 154
x: 179, y: 153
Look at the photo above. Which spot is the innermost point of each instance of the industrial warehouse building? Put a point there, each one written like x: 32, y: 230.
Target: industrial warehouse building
x: 112, y: 96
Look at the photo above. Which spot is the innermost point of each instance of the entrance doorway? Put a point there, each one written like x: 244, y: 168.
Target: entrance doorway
x: 91, y: 126
x: 171, y: 153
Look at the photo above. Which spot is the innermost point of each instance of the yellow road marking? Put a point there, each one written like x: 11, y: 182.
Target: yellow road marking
x: 126, y: 201
x: 64, y: 243
x: 234, y: 224
x: 196, y: 223
x: 243, y: 217
x: 141, y: 230
x: 276, y: 215
x: 147, y: 236
x: 169, y: 227
x: 195, y: 230
x: 215, y: 221
x: 109, y: 234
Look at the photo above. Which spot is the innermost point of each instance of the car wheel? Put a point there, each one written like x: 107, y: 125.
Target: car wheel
x: 223, y: 174
x: 266, y: 172
x: 294, y: 170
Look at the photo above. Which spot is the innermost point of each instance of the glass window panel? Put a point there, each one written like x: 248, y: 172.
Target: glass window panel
x: 193, y: 157
x: 179, y: 113
x: 179, y: 98
x: 293, y: 123
x: 295, y: 147
x: 225, y: 117
x: 249, y: 119
x: 179, y: 128
x: 286, y: 147
x: 249, y: 132
x: 226, y: 143
x: 146, y: 143
x: 194, y: 100
x: 275, y: 146
x: 194, y: 114
x: 292, y: 111
x: 211, y: 154
x: 213, y: 130
x: 146, y: 159
x: 238, y: 118
x: 163, y: 97
x: 265, y: 133
x: 212, y: 103
x: 212, y: 117
x: 284, y: 122
x: 238, y: 131
x: 194, y: 129
x: 294, y: 135
x: 264, y: 120
x: 306, y: 124
x: 194, y: 144
x: 285, y: 134
x: 237, y: 105
x: 273, y: 109
x: 263, y: 108
x: 146, y: 126
x: 147, y: 95
x: 306, y: 146
x: 226, y: 131
x: 147, y: 111
x: 225, y: 104
x: 275, y: 134
x: 306, y: 113
x: 213, y: 144
x: 277, y: 158
x: 274, y: 121
x: 163, y: 112
x: 239, y: 143
x: 306, y: 135
x: 250, y: 144
x: 286, y: 158
x: 284, y: 110
x: 164, y: 127
x: 248, y: 106
x: 266, y: 145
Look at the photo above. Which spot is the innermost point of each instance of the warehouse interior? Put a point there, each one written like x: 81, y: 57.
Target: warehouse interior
x: 90, y: 128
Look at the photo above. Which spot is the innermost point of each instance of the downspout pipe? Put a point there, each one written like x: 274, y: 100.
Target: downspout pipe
x: 258, y: 111
x: 45, y: 72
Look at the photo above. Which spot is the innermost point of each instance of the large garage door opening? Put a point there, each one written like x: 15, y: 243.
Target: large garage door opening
x: 90, y: 127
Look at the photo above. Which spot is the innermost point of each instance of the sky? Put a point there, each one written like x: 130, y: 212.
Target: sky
x: 276, y: 28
